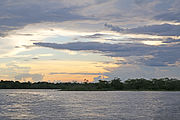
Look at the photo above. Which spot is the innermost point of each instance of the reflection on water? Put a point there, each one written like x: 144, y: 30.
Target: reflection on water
x: 76, y: 105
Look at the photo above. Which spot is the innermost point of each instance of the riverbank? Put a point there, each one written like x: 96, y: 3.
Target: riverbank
x: 162, y: 84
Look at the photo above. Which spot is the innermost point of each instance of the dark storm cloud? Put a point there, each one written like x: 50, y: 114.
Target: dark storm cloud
x: 161, y: 30
x: 162, y: 55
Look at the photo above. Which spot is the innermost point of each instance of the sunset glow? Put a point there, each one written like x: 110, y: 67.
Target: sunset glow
x: 65, y: 41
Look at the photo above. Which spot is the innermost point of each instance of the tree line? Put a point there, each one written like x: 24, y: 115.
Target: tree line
x: 164, y: 84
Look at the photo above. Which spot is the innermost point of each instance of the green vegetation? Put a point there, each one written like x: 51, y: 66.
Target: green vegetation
x: 164, y: 84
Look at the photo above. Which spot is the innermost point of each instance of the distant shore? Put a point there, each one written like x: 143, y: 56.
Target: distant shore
x: 162, y: 84
x: 89, y: 90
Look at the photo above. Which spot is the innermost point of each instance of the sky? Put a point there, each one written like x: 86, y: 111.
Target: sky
x: 73, y: 40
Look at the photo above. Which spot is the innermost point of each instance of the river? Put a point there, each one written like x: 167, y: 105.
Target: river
x: 24, y: 104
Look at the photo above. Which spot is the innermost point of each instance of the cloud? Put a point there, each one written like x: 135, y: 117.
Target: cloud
x: 97, y: 35
x: 45, y: 55
x: 162, y: 55
x: 35, y: 58
x: 161, y: 30
x: 99, y: 10
x: 75, y: 73
x: 141, y: 2
x: 24, y: 22
x: 114, y: 50
x: 169, y: 16
x: 35, y: 77
x: 77, y: 46
x: 140, y: 71
x: 96, y: 79
x: 13, y: 13
x: 27, y: 12
x: 170, y: 40
x: 27, y: 46
x: 114, y: 28
x: 10, y: 70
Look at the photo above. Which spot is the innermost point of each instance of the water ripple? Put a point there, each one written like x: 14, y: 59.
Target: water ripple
x: 93, y: 105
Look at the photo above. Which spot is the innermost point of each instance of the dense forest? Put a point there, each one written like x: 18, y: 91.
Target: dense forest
x: 164, y: 84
